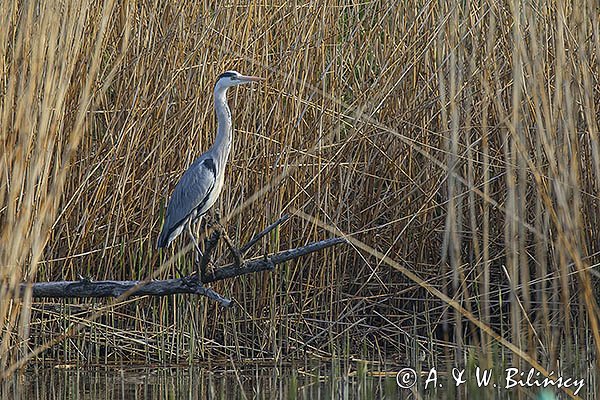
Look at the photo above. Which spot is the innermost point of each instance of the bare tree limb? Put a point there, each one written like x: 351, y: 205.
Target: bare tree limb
x: 88, y: 288
x: 259, y: 235
x: 269, y: 262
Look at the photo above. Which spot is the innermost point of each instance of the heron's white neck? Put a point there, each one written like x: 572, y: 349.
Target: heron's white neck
x: 222, y: 143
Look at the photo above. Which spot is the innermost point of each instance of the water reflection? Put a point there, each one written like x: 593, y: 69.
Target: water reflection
x: 257, y: 382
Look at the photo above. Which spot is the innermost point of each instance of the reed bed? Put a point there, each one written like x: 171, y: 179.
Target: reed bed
x: 454, y: 144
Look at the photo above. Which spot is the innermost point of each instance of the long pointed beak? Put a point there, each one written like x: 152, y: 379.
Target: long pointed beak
x: 246, y: 78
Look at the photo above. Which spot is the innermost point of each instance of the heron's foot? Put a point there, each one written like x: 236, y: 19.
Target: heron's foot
x: 84, y: 279
x: 269, y: 261
x: 188, y: 280
x: 193, y: 280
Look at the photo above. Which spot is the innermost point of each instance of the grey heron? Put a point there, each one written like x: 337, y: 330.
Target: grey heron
x: 200, y: 185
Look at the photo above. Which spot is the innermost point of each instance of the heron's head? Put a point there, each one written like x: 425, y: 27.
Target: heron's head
x: 233, y: 78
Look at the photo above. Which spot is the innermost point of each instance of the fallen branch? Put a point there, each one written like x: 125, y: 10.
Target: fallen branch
x: 87, y: 288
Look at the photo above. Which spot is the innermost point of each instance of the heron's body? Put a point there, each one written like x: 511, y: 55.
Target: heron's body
x: 201, y: 184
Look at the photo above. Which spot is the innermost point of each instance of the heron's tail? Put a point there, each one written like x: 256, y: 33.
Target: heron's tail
x: 163, y: 238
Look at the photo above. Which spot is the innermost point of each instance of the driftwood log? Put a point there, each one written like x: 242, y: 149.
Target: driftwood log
x: 84, y: 287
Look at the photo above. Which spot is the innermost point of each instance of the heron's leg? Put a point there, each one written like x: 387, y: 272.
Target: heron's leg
x: 198, y: 251
x: 181, y: 274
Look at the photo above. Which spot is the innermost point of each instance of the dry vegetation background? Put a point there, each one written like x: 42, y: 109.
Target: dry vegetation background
x: 455, y: 143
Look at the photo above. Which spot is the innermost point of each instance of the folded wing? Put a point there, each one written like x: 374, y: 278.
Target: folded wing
x: 189, y: 199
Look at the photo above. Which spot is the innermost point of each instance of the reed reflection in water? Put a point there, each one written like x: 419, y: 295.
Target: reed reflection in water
x: 258, y: 382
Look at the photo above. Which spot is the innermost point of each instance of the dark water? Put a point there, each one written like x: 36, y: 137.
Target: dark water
x: 239, y: 382
x: 197, y: 383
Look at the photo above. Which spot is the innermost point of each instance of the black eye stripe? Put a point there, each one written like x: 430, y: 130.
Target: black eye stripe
x: 228, y: 75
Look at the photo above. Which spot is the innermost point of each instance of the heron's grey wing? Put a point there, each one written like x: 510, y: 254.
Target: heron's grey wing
x: 189, y: 196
